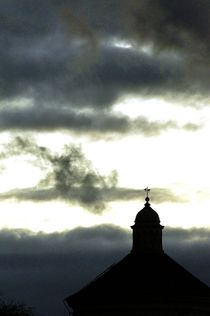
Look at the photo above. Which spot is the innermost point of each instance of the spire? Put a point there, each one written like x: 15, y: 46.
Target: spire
x: 147, y: 196
x: 147, y: 231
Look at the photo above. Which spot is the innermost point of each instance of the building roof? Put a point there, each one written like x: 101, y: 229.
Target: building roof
x: 138, y: 277
x: 144, y: 274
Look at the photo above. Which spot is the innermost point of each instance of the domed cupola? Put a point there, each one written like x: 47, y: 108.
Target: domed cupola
x: 147, y: 215
x: 147, y: 231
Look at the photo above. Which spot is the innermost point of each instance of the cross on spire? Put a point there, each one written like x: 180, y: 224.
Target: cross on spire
x: 147, y: 190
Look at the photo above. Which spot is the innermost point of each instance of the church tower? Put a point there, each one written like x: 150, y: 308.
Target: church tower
x: 147, y: 231
x: 146, y: 282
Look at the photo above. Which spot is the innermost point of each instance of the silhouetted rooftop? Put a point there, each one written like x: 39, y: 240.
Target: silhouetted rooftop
x: 138, y: 277
x: 145, y: 275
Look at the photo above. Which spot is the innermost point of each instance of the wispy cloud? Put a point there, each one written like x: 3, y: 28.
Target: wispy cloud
x: 159, y: 195
x: 69, y: 176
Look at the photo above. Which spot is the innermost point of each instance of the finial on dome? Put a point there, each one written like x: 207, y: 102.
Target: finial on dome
x: 147, y: 190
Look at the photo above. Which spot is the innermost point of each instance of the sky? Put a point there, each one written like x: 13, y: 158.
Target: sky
x: 98, y: 100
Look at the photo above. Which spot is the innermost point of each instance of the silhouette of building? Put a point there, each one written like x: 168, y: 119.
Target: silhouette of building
x: 145, y: 282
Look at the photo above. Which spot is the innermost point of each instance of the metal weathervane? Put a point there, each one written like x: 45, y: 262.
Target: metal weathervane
x: 147, y: 190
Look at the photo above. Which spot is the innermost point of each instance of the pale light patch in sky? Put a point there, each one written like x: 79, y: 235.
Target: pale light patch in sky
x: 170, y: 158
x: 56, y: 140
x: 119, y: 43
x: 19, y: 103
x: 184, y: 215
x: 4, y: 139
x: 47, y: 217
x: 57, y: 216
x: 161, y: 110
x: 146, y: 49
x: 19, y: 173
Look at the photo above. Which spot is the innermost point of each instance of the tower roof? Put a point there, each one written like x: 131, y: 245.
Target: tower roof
x: 147, y: 215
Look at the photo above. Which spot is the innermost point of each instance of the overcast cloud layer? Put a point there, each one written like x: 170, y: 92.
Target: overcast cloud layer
x: 61, y: 66
x: 64, y: 64
x: 43, y: 269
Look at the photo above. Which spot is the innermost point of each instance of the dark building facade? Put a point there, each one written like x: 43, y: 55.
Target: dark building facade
x: 145, y: 282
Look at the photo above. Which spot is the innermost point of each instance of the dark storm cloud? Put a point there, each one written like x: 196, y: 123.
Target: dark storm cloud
x: 46, y: 75
x: 180, y: 26
x: 191, y: 248
x: 174, y: 28
x: 97, y: 124
x: 42, y: 269
x: 60, y: 56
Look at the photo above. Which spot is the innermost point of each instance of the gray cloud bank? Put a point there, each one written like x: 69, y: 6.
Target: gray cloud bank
x: 97, y: 124
x: 105, y: 195
x: 41, y: 269
x: 61, y: 57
